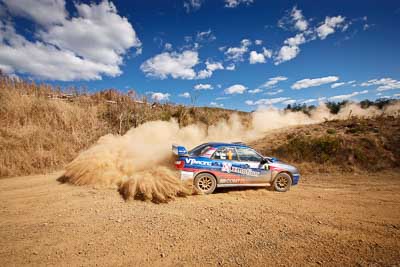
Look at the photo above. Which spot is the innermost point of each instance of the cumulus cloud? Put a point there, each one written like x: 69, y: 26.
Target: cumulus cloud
x: 209, y: 70
x: 306, y: 83
x: 185, y: 95
x: 330, y: 25
x: 256, y: 57
x: 343, y: 97
x: 158, y: 96
x: 83, y: 47
x: 43, y: 12
x: 260, y: 57
x: 266, y: 102
x: 176, y: 65
x: 235, y: 89
x: 258, y: 42
x: 235, y: 3
x: 201, y: 86
x: 291, y: 48
x: 383, y: 84
x: 192, y: 5
x: 294, y: 19
x: 237, y: 53
x: 273, y: 81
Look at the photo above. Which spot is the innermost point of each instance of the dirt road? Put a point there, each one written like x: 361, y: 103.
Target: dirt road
x: 326, y: 220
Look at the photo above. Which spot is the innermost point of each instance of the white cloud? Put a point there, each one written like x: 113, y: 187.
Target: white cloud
x: 258, y: 42
x: 294, y: 19
x: 185, y: 95
x: 210, y: 68
x: 176, y: 65
x: 306, y: 83
x: 274, y: 92
x: 237, y: 53
x: 343, y: 97
x: 383, y: 84
x: 264, y: 101
x: 231, y: 67
x: 256, y: 57
x: 291, y: 49
x: 299, y: 22
x: 341, y: 84
x: 201, y: 86
x: 168, y: 46
x: 83, y: 47
x: 255, y: 91
x: 205, y: 36
x: 235, y: 89
x: 273, y: 81
x: 289, y: 102
x: 337, y: 85
x: 235, y: 3
x: 330, y: 25
x: 215, y: 104
x: 192, y: 5
x: 157, y: 96
x: 222, y: 98
x: 43, y: 12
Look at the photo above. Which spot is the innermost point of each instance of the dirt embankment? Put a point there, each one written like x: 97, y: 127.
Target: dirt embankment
x: 355, y: 144
x: 328, y: 220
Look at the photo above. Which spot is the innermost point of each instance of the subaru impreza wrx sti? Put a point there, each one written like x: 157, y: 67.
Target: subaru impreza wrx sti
x: 213, y: 165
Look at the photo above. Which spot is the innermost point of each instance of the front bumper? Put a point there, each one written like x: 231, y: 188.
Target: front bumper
x: 296, y: 178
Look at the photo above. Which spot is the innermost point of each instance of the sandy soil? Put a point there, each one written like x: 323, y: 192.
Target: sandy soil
x: 326, y: 220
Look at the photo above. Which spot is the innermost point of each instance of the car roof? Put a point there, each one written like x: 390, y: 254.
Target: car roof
x: 218, y: 144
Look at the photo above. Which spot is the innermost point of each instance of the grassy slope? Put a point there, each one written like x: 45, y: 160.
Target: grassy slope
x: 42, y: 128
x: 350, y: 145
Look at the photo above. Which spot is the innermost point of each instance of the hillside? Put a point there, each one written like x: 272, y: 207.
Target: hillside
x: 42, y: 128
x: 355, y: 144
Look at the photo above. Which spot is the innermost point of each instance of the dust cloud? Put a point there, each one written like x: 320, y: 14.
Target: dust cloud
x: 140, y: 165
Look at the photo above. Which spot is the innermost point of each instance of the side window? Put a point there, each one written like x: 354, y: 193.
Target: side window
x: 248, y: 154
x: 225, y: 153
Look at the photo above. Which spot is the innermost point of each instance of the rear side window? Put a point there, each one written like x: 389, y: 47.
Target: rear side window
x: 225, y: 153
x: 198, y: 149
x: 248, y: 154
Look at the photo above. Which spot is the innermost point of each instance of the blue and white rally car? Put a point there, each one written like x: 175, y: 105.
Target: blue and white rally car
x: 213, y: 165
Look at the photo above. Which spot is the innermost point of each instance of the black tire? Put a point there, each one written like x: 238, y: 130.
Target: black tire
x: 282, y: 182
x: 205, y: 183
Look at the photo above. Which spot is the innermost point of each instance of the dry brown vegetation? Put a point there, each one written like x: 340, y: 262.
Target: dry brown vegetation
x: 42, y: 127
x: 350, y: 145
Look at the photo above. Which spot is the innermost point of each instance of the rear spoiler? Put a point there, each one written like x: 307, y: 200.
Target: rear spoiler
x: 179, y: 150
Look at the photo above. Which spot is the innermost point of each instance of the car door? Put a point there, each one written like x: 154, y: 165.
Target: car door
x: 251, y: 160
x: 225, y: 158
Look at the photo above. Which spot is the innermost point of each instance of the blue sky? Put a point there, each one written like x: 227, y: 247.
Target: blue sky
x: 239, y: 54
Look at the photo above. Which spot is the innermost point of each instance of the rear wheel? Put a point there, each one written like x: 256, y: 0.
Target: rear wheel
x: 205, y: 183
x: 282, y: 182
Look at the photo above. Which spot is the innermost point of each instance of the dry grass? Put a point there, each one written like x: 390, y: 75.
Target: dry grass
x: 351, y: 145
x: 42, y: 128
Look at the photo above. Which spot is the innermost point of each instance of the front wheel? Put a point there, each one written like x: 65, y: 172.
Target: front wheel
x: 205, y: 183
x: 282, y: 182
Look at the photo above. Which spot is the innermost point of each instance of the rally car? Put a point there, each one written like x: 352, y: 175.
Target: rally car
x: 213, y: 165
